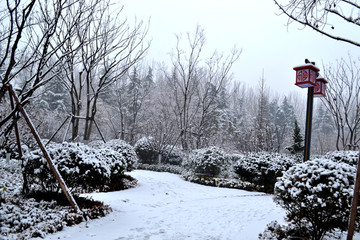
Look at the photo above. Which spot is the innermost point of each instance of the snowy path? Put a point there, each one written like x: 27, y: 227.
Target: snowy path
x: 164, y: 206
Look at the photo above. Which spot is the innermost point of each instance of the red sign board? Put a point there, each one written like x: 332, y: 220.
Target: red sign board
x: 306, y: 75
x: 319, y: 90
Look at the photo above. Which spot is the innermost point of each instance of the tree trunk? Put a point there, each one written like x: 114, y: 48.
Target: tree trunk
x: 90, y: 117
x: 76, y: 105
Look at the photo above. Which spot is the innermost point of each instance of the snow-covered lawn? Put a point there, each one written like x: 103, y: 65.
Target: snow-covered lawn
x: 163, y: 206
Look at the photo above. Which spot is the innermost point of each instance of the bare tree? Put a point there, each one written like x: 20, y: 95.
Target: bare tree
x: 324, y: 16
x: 29, y: 46
x: 107, y: 48
x: 343, y: 101
x: 184, y: 80
x: 213, y: 82
x: 191, y: 83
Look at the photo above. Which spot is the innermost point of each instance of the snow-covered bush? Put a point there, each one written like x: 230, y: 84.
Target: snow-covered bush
x: 209, y: 162
x: 275, y: 231
x: 221, y: 182
x: 126, y: 150
x: 145, y: 150
x: 35, y: 215
x: 162, y: 168
x: 172, y: 155
x: 82, y: 167
x: 350, y: 157
x: 22, y: 218
x: 149, y: 152
x: 317, y: 195
x: 2, y: 193
x: 263, y: 168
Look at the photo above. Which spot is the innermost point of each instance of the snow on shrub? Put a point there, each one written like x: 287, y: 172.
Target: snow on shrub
x: 275, y: 231
x: 263, y: 168
x: 317, y: 194
x: 82, y: 167
x: 349, y: 157
x: 145, y: 150
x: 162, y: 168
x: 209, y: 162
x: 129, y: 157
x: 172, y: 155
x: 24, y: 217
x: 148, y: 151
x: 220, y: 182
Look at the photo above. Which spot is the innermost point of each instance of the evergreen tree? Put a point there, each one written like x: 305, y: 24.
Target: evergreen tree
x: 54, y: 97
x: 263, y: 142
x: 283, y: 120
x: 149, y: 79
x: 323, y: 130
x: 298, y: 139
x: 275, y: 116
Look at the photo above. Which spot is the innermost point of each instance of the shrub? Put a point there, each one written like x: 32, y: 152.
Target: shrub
x: 317, y: 194
x: 349, y: 157
x: 172, y: 155
x: 148, y: 152
x: 82, y: 167
x: 162, y: 168
x: 38, y: 213
x: 2, y: 193
x: 263, y: 168
x: 129, y: 157
x: 145, y: 150
x: 220, y: 182
x: 276, y: 231
x: 23, y: 218
x: 209, y: 161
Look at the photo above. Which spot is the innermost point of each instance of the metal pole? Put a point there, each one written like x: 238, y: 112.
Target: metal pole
x: 354, y: 203
x: 309, y: 110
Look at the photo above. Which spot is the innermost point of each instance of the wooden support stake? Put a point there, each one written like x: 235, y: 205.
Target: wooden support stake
x: 17, y: 135
x: 354, y: 203
x: 57, y: 131
x: 44, y: 151
x: 102, y: 136
x: 67, y: 129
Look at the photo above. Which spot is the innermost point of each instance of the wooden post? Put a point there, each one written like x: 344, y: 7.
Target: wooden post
x: 44, y: 151
x: 354, y: 205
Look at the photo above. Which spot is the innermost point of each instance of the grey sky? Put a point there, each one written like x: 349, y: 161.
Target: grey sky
x: 267, y: 43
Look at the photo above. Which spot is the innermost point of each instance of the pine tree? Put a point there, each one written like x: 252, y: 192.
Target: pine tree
x: 54, y: 97
x: 284, y: 118
x: 298, y: 139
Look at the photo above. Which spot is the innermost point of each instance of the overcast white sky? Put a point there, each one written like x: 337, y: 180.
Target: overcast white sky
x: 251, y: 25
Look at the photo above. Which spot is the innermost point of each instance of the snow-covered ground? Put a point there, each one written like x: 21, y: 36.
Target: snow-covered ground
x: 163, y: 206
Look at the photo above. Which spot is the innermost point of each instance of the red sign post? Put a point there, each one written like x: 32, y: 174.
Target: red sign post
x: 307, y: 76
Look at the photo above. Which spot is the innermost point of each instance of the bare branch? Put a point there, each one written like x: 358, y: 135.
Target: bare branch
x: 314, y: 14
